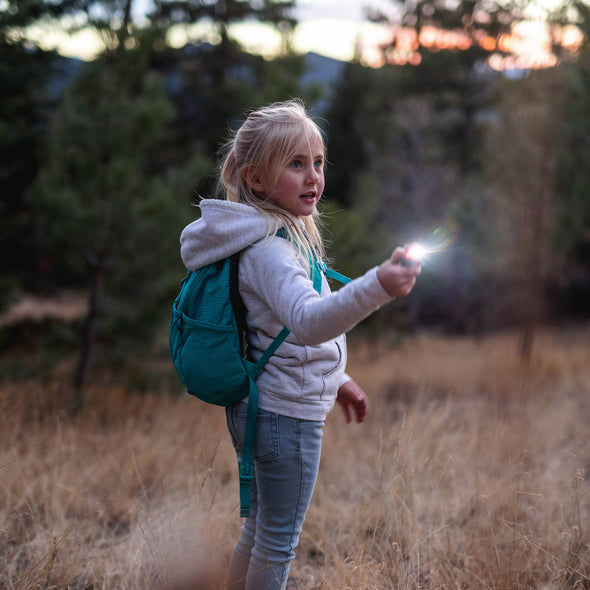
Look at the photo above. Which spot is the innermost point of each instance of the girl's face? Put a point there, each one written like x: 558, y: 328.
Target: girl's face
x: 299, y: 186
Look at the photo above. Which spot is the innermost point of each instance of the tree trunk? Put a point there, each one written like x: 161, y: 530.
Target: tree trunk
x: 540, y: 212
x: 89, y: 331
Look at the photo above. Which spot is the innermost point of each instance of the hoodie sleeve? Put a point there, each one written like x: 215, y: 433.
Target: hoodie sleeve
x: 275, y: 278
x: 190, y: 246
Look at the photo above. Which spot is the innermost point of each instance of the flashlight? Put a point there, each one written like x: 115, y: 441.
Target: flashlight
x: 413, y: 253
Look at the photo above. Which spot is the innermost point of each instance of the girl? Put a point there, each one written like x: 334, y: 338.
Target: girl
x: 272, y: 175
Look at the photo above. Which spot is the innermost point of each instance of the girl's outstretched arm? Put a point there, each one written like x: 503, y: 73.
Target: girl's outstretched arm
x: 352, y: 395
x: 277, y: 290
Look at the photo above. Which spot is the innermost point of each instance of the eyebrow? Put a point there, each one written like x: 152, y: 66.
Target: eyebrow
x: 304, y: 156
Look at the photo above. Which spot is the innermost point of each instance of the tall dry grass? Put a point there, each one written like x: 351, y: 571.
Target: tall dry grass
x: 469, y: 473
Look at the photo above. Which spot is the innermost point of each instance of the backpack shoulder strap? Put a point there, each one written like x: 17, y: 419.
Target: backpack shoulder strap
x: 271, y: 350
x: 317, y: 266
x: 336, y: 275
x: 237, y: 302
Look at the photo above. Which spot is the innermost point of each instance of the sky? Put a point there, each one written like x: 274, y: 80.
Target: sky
x: 329, y: 27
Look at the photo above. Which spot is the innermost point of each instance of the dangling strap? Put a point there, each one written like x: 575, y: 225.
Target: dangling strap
x: 247, y: 463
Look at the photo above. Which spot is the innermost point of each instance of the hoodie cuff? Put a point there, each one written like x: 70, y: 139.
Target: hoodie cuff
x: 345, y: 379
x: 375, y: 289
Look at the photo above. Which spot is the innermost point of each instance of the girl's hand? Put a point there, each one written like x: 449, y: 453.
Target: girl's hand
x: 396, y: 279
x: 350, y: 394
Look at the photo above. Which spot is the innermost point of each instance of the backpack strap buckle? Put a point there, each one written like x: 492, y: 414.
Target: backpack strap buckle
x: 246, y: 472
x: 246, y: 476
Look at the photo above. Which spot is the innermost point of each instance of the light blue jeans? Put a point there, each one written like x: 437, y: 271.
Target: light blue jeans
x: 286, y: 462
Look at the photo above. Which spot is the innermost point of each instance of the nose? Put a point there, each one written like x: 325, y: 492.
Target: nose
x: 313, y: 175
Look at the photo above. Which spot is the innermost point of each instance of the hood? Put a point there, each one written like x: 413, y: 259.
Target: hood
x: 223, y: 229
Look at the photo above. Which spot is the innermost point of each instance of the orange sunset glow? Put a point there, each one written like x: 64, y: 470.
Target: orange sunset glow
x: 528, y: 46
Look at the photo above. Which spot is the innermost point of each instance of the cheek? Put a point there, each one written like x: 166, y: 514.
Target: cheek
x: 290, y: 183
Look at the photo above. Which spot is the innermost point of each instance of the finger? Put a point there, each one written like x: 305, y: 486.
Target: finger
x: 346, y: 409
x: 361, y: 411
x: 397, y: 255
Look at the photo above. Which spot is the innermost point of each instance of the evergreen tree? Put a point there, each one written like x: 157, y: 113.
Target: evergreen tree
x: 213, y: 84
x: 106, y: 212
x: 354, y: 125
x: 24, y: 102
x: 479, y: 24
x: 525, y: 149
x: 27, y: 73
x: 574, y: 182
x: 391, y: 163
x: 223, y: 13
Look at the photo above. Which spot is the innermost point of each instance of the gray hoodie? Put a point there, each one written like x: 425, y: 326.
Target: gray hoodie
x: 302, y: 378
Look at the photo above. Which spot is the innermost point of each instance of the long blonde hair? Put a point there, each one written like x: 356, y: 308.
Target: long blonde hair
x: 268, y: 139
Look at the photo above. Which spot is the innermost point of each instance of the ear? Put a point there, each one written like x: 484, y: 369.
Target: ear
x: 253, y: 178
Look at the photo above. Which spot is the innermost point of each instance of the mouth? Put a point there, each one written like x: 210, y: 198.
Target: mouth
x: 309, y: 197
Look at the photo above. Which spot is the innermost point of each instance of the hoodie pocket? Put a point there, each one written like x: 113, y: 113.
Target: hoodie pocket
x: 329, y: 373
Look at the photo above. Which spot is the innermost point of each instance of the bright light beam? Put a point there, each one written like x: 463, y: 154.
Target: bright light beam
x: 440, y: 239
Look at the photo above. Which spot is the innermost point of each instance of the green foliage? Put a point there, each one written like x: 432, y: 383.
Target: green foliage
x: 473, y: 20
x: 104, y: 207
x: 493, y: 17
x: 524, y: 149
x: 8, y: 291
x: 574, y: 186
x: 355, y: 126
x: 224, y: 13
x: 426, y: 114
x: 93, y: 167
x: 205, y: 110
x: 205, y: 107
x: 133, y: 141
x: 129, y: 146
x: 347, y: 231
x: 23, y: 108
x: 404, y: 140
x: 15, y: 14
x: 32, y: 349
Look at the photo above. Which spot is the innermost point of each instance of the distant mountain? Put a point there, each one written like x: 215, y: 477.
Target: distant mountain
x: 323, y: 71
x: 320, y: 71
x: 64, y: 71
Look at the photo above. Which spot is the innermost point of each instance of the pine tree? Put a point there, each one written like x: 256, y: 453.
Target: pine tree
x: 106, y: 212
x: 524, y: 155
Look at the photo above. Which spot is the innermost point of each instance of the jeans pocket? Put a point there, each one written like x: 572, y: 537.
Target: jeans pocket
x: 266, y: 445
x: 232, y: 416
x: 266, y: 442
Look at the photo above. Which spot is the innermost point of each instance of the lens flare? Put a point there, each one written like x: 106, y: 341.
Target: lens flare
x: 439, y: 239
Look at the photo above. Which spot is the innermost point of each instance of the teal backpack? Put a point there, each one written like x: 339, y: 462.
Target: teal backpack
x: 206, y: 338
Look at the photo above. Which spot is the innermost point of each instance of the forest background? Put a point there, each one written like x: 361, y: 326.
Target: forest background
x: 102, y: 163
x: 103, y: 160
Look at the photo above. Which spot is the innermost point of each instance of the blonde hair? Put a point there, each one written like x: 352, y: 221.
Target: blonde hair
x: 268, y: 139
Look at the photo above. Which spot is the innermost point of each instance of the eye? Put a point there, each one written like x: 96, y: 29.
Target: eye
x: 297, y: 164
x: 319, y: 164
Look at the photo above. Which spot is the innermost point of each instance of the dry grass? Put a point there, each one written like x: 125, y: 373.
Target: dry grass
x: 469, y: 473
x: 67, y: 306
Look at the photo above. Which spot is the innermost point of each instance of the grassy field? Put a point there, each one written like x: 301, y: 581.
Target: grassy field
x: 468, y: 473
